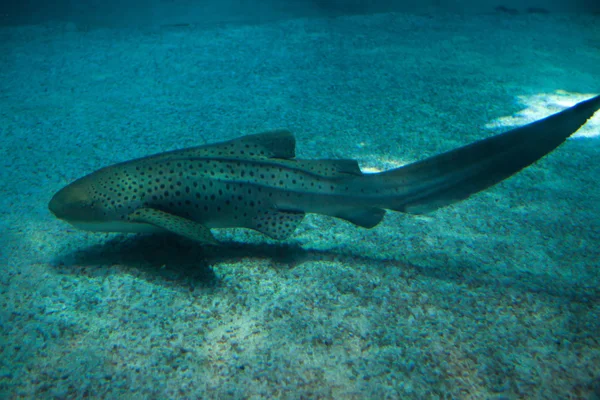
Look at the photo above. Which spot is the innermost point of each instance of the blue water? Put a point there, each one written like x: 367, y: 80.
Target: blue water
x: 495, y: 297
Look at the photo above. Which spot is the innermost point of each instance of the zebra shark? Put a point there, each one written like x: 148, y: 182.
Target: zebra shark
x: 256, y: 182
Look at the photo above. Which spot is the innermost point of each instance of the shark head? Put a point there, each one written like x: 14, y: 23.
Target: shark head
x: 75, y: 203
x: 87, y: 204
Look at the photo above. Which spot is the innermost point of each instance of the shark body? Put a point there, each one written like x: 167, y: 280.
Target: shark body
x: 255, y: 182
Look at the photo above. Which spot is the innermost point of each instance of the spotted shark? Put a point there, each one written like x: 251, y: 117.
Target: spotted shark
x: 256, y: 182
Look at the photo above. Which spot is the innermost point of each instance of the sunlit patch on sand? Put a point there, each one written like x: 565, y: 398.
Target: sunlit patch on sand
x: 382, y: 164
x: 544, y: 104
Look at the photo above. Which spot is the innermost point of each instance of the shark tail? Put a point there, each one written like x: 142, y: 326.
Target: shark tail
x: 450, y: 177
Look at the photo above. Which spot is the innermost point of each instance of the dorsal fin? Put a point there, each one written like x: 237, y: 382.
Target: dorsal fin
x: 331, y: 168
x: 273, y: 144
x: 280, y: 143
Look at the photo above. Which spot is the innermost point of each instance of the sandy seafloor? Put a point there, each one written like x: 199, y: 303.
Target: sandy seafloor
x: 497, y: 297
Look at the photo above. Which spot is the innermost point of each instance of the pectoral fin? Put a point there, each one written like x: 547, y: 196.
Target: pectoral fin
x: 173, y: 223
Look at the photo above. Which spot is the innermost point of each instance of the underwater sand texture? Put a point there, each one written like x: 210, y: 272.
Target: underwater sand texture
x: 495, y: 297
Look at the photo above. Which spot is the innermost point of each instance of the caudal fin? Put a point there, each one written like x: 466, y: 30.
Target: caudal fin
x: 447, y: 178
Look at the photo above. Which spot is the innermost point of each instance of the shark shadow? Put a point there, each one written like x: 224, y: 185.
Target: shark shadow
x: 189, y: 262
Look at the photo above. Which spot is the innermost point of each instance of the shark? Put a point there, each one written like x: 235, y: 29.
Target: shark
x: 256, y: 182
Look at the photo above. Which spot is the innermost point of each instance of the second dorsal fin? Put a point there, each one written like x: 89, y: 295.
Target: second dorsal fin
x: 331, y: 168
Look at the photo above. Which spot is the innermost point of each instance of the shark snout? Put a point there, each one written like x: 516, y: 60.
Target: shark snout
x: 71, y: 204
x: 59, y: 204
